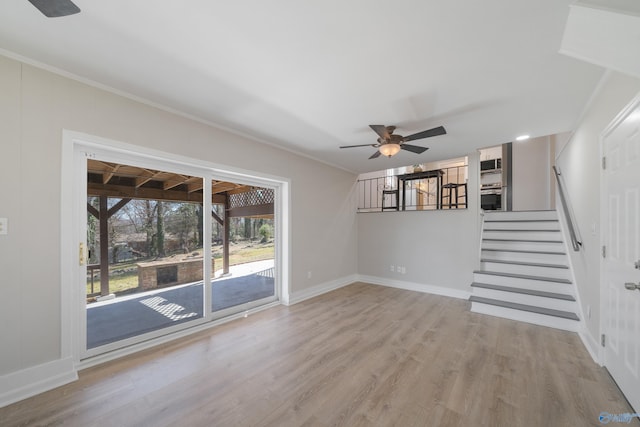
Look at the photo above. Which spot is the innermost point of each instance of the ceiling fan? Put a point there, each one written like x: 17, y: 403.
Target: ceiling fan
x: 390, y: 144
x: 55, y: 8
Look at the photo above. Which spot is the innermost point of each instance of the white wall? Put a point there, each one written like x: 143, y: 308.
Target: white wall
x: 531, y: 174
x: 37, y: 105
x: 579, y: 162
x: 439, y: 249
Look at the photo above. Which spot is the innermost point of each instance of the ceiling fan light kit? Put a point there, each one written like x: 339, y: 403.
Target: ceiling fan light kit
x: 389, y: 149
x: 390, y: 144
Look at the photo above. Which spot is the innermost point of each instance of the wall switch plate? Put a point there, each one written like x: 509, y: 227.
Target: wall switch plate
x: 4, y: 226
x: 392, y: 268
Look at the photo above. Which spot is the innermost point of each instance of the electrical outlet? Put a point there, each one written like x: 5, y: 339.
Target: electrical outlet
x: 309, y: 274
x: 4, y: 226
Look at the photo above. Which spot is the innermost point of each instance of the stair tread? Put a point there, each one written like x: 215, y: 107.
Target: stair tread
x: 523, y: 276
x: 522, y: 230
x: 524, y: 251
x: 532, y: 292
x: 498, y: 213
x: 521, y: 220
x: 525, y: 307
x: 528, y: 264
x: 521, y: 240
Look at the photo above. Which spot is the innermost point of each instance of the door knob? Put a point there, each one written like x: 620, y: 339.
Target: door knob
x: 632, y: 286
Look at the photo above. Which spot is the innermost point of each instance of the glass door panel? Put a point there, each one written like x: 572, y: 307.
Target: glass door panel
x: 145, y: 241
x: 243, y: 248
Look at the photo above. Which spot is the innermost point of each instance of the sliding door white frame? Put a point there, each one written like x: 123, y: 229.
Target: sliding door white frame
x: 77, y: 147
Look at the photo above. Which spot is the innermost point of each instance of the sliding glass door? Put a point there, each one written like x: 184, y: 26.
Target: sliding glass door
x: 156, y: 233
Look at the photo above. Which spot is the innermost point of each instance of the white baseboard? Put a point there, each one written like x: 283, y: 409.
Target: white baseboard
x: 412, y: 286
x: 592, y: 345
x: 299, y: 296
x: 28, y: 382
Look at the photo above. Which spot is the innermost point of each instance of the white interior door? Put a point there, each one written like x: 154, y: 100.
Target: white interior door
x: 621, y: 228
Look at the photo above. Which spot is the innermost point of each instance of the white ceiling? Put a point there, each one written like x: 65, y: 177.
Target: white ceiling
x: 312, y: 75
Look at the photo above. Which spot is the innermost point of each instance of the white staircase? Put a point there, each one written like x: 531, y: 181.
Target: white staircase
x: 524, y: 270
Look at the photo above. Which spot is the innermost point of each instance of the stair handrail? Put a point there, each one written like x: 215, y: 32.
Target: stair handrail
x: 576, y: 240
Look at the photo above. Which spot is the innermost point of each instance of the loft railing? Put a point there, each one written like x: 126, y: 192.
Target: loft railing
x: 576, y: 240
x: 444, y: 188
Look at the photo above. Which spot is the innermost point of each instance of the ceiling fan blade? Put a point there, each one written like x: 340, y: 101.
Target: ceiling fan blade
x: 55, y: 8
x: 382, y: 131
x: 426, y: 134
x: 360, y: 145
x: 414, y: 148
x: 375, y: 155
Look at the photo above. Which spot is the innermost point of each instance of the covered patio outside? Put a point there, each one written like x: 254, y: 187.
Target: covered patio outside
x: 166, y: 272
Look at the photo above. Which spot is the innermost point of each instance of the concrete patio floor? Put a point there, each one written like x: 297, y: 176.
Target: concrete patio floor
x: 131, y: 315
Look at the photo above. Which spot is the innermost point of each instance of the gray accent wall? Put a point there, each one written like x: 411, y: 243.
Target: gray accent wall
x: 438, y: 249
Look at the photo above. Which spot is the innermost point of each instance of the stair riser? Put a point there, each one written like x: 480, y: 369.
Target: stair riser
x: 523, y: 246
x: 536, y: 285
x: 523, y: 235
x: 525, y: 316
x: 533, y: 225
x: 556, y: 273
x: 553, y: 303
x: 526, y: 257
x: 527, y: 215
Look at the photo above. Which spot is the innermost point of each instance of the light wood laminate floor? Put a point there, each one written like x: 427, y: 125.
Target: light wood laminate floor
x: 363, y: 355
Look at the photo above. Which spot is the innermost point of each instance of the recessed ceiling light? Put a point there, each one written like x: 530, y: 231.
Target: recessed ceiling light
x: 522, y: 137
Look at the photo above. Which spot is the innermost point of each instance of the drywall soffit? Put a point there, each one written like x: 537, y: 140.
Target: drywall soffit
x: 608, y: 36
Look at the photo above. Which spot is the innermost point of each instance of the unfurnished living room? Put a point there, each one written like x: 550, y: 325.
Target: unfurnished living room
x: 407, y: 213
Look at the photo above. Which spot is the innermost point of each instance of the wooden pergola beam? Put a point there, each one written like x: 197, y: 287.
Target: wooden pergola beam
x: 254, y: 210
x: 173, y: 183
x: 195, y: 186
x: 142, y: 180
x: 221, y: 187
x: 107, y: 176
x: 217, y: 218
x: 93, y: 211
x: 123, y: 192
x: 115, y: 208
x: 104, y: 247
x: 226, y: 236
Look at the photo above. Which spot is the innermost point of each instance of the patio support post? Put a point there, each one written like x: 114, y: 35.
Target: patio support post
x: 225, y: 240
x: 104, y: 246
